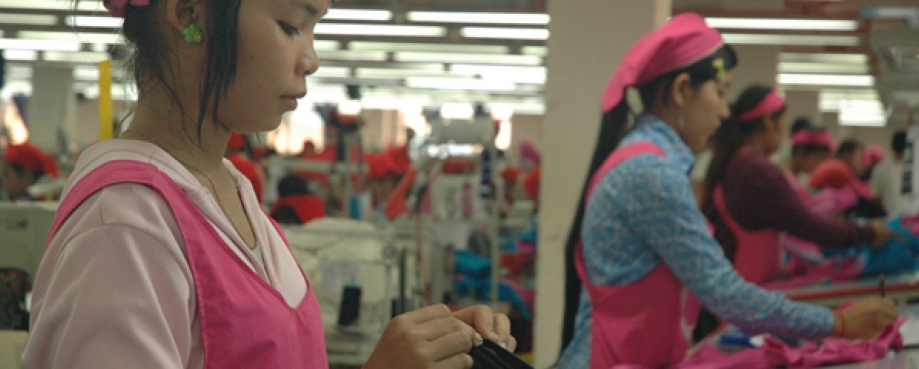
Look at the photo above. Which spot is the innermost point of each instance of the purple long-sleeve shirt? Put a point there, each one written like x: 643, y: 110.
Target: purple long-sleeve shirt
x: 758, y: 196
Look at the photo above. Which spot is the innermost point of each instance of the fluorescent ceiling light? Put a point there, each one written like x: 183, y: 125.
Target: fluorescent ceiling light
x: 353, y: 55
x: 518, y: 74
x: 457, y: 111
x: 458, y: 84
x: 93, y: 22
x: 84, y: 37
x: 53, y: 5
x: 78, y: 57
x: 333, y: 72
x: 86, y: 74
x: 358, y: 15
x: 30, y: 19
x: 38, y: 45
x: 465, y: 17
x: 506, y: 33
x: 796, y: 40
x: 863, y: 120
x: 824, y: 58
x: 825, y: 79
x: 399, y: 73
x: 411, y: 46
x: 24, y: 55
x: 534, y: 50
x: 411, y: 56
x: 321, y: 45
x: 378, y: 30
x: 784, y: 24
x: 797, y: 67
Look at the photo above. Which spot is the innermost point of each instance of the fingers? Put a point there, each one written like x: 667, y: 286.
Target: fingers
x: 511, y: 343
x: 437, y: 328
x: 428, y: 313
x: 481, y: 318
x: 453, y: 344
x: 503, y: 329
x: 460, y: 361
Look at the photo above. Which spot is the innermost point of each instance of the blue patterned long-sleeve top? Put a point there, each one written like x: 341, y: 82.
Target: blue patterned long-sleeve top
x: 643, y: 213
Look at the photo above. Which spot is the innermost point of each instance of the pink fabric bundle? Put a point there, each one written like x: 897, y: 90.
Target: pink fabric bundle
x: 776, y: 353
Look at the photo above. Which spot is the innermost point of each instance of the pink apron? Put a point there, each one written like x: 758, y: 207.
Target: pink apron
x: 647, y: 323
x: 758, y: 256
x: 245, y: 322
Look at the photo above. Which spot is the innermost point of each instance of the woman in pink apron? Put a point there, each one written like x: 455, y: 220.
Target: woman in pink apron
x: 640, y: 245
x: 161, y: 256
x: 751, y: 203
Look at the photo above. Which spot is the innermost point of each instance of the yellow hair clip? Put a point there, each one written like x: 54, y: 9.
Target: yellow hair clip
x: 719, y: 68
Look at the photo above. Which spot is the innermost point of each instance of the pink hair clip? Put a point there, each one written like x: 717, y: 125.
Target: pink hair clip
x: 116, y: 7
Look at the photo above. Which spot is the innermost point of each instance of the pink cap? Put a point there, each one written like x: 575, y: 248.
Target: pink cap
x: 873, y: 155
x: 772, y: 103
x: 814, y: 138
x: 116, y: 7
x: 682, y: 41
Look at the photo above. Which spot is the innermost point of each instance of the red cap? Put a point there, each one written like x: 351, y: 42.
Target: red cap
x: 307, y: 207
x: 682, y: 41
x: 834, y: 173
x: 381, y: 166
x: 531, y: 183
x: 873, y: 155
x: 236, y: 142
x: 400, y: 159
x: 32, y: 158
x: 510, y: 175
x: 454, y: 166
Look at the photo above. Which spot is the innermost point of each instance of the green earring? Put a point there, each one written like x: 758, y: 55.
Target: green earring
x: 193, y: 34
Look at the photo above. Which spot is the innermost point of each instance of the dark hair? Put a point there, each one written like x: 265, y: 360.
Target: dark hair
x: 613, y: 127
x: 731, y: 136
x: 21, y: 170
x: 151, y: 51
x: 292, y: 184
x: 848, y: 146
x: 898, y: 142
x: 286, y: 215
x: 802, y: 123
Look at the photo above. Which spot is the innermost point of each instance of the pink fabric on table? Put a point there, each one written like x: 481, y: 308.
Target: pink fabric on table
x: 776, y: 353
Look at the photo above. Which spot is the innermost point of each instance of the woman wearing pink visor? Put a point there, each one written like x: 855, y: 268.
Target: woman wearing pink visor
x: 751, y: 202
x: 639, y: 243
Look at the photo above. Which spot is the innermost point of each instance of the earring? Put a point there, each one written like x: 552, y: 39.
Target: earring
x: 193, y: 34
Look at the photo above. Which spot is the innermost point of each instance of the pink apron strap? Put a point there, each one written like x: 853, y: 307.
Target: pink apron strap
x: 108, y: 174
x: 617, y: 157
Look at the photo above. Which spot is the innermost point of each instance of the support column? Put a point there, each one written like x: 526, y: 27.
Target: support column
x: 587, y: 40
x: 52, y: 106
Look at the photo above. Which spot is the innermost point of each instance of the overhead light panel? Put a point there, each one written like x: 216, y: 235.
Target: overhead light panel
x: 76, y: 57
x: 411, y: 56
x: 320, y: 45
x: 458, y: 84
x: 93, y: 21
x: 94, y: 6
x: 825, y: 79
x: 517, y: 74
x: 479, y: 17
x: 534, y: 50
x: 797, y: 67
x: 19, y: 55
x: 506, y: 33
x: 791, y: 40
x: 84, y: 37
x: 427, y: 47
x: 378, y: 30
x: 38, y: 45
x: 834, y: 58
x: 29, y: 19
x: 783, y: 24
x: 333, y: 72
x: 358, y: 15
x: 398, y: 73
x: 353, y: 55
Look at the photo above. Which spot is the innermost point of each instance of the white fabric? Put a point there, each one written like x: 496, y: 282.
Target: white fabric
x: 886, y: 182
x: 115, y: 289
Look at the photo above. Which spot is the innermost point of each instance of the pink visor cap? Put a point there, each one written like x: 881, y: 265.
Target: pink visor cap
x: 682, y: 41
x: 772, y: 103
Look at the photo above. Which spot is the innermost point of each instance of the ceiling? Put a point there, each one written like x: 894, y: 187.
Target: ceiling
x: 427, y: 52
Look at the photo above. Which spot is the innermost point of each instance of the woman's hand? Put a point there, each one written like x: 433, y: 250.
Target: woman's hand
x: 494, y: 326
x: 864, y: 319
x: 430, y: 337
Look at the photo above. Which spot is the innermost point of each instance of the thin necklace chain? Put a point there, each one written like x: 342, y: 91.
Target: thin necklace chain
x: 209, y: 179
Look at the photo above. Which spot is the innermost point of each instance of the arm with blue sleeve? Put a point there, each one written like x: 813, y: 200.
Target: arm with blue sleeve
x: 667, y: 219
